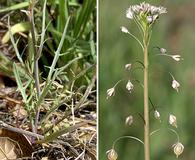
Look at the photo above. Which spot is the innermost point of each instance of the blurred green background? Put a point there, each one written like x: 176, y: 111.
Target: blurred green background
x: 174, y: 31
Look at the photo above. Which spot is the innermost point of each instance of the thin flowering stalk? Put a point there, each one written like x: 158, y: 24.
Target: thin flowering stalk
x: 125, y: 137
x: 118, y: 82
x: 132, y: 35
x: 146, y: 104
x: 145, y: 16
x: 169, y: 129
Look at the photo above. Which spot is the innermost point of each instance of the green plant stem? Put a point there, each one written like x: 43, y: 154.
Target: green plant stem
x: 146, y: 104
x: 36, y: 59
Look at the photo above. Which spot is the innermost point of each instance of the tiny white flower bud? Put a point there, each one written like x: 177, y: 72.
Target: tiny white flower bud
x: 112, y: 155
x: 124, y: 29
x: 176, y: 57
x: 173, y: 120
x: 178, y: 149
x: 129, y: 13
x: 129, y: 86
x: 128, y: 66
x: 149, y: 19
x: 175, y: 85
x: 129, y: 120
x: 163, y: 50
x: 157, y: 115
x: 110, y: 92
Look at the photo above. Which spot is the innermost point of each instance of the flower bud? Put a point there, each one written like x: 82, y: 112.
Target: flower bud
x: 128, y: 66
x: 163, y: 50
x: 124, y: 29
x: 129, y: 13
x: 110, y: 92
x: 149, y: 19
x: 175, y: 85
x: 112, y: 155
x: 129, y: 120
x: 157, y: 115
x: 173, y: 120
x: 129, y: 86
x: 178, y: 149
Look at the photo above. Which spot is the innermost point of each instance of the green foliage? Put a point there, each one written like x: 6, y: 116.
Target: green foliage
x: 65, y: 43
x: 15, y: 7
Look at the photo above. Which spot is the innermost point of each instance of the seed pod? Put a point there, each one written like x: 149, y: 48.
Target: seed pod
x: 175, y: 85
x: 129, y: 86
x: 178, y: 149
x: 110, y: 92
x: 157, y: 115
x: 112, y: 155
x: 173, y: 120
x: 129, y: 120
x: 128, y: 66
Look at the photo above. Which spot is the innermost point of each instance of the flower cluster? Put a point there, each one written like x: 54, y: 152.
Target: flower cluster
x: 150, y: 12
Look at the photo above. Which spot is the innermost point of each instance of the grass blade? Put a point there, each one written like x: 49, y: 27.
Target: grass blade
x: 15, y: 7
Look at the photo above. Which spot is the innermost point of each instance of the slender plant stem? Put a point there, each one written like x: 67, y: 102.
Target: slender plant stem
x: 36, y: 59
x: 146, y: 104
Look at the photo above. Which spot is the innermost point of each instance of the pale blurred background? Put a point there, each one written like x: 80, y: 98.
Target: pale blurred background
x: 174, y: 31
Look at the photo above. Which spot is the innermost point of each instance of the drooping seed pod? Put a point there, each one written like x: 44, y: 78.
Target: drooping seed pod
x: 111, y: 154
x: 175, y: 85
x: 128, y: 66
x: 129, y: 86
x: 173, y: 120
x: 178, y: 149
x: 157, y: 115
x: 110, y: 92
x: 129, y: 120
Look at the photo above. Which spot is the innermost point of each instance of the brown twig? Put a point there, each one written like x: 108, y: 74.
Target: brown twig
x: 21, y: 131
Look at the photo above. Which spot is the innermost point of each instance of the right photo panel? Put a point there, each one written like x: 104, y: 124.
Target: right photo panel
x: 146, y: 79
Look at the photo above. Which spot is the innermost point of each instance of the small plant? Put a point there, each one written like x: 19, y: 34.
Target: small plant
x: 145, y: 16
x: 54, y: 71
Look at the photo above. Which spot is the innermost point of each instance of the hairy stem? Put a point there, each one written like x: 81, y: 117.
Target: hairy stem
x: 146, y: 104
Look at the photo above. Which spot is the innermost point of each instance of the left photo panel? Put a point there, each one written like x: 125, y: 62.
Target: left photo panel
x: 48, y: 89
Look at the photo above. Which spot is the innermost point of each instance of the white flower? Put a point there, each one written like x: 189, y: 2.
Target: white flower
x: 178, y: 149
x: 163, y: 50
x: 129, y: 86
x: 173, y: 120
x: 175, y: 85
x: 150, y: 11
x: 176, y: 57
x: 129, y: 120
x: 129, y: 13
x: 112, y: 155
x: 124, y: 29
x: 157, y: 115
x: 110, y: 92
x: 128, y: 66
